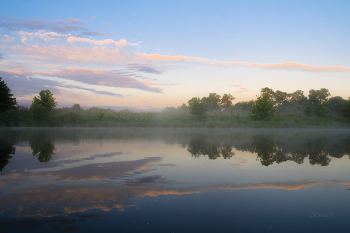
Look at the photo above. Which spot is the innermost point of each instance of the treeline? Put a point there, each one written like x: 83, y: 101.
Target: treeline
x: 317, y: 109
x: 318, y: 103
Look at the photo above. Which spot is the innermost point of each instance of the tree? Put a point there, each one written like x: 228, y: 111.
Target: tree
x: 226, y: 101
x: 335, y: 103
x: 262, y: 108
x: 321, y: 110
x: 45, y: 99
x: 7, y: 102
x: 213, y: 101
x: 198, y: 107
x: 298, y: 97
x: 345, y: 109
x: 318, y: 96
x: 76, y: 108
x: 281, y: 97
x: 267, y: 91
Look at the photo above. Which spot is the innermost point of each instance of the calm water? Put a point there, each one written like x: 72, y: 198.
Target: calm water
x: 174, y: 180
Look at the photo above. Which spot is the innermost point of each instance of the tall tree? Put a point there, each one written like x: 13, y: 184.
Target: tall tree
x: 318, y: 96
x: 7, y: 102
x: 298, y: 97
x: 226, y: 101
x: 281, y: 97
x: 213, y: 101
x: 42, y: 105
x: 198, y: 107
x: 45, y: 99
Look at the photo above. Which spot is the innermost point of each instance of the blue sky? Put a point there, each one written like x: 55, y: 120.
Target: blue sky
x: 153, y: 54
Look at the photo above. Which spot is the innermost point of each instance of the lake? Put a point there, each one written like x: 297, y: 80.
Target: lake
x: 174, y: 180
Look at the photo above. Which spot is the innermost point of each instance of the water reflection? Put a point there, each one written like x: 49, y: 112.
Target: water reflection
x: 6, y: 151
x: 213, y: 149
x: 272, y: 149
x: 42, y: 146
x: 108, y: 177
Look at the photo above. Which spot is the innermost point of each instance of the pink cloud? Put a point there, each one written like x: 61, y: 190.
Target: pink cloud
x: 286, y: 65
x: 101, y: 77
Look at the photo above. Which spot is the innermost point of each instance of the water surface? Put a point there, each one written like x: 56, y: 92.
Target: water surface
x: 174, y: 180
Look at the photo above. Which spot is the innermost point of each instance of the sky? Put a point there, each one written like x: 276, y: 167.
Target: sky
x: 149, y: 55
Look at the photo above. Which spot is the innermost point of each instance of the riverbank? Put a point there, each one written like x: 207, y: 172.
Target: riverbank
x: 175, y: 121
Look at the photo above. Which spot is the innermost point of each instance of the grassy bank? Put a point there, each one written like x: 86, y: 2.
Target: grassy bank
x: 148, y: 119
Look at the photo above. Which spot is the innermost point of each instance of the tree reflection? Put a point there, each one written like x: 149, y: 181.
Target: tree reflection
x: 42, y: 146
x: 317, y: 151
x: 274, y: 149
x: 265, y: 147
x: 213, y: 149
x: 6, y: 151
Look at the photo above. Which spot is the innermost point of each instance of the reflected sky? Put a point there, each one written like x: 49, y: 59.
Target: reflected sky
x: 117, y: 175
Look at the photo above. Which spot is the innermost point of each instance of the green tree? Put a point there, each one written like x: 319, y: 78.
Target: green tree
x: 321, y: 110
x: 307, y: 109
x: 42, y: 104
x: 335, y: 103
x: 45, y: 99
x: 298, y: 97
x: 213, y: 101
x: 7, y: 102
x: 281, y: 97
x: 267, y: 91
x: 226, y: 101
x: 345, y: 109
x: 184, y: 109
x: 318, y: 96
x: 263, y: 108
x: 198, y: 107
x: 76, y: 108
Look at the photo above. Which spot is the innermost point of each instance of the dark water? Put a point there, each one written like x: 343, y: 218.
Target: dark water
x: 174, y: 180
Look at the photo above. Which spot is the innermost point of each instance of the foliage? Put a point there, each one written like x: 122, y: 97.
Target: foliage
x: 298, y: 97
x: 335, y: 103
x: 42, y: 105
x: 226, y: 101
x: 76, y: 108
x: 7, y: 102
x: 45, y: 99
x: 281, y: 97
x: 184, y: 109
x: 321, y: 110
x: 198, y: 107
x: 39, y: 112
x: 345, y: 109
x: 262, y: 108
x: 307, y: 109
x: 318, y: 96
x: 213, y: 101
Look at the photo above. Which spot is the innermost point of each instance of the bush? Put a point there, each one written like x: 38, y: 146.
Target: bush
x: 321, y: 110
x: 345, y: 109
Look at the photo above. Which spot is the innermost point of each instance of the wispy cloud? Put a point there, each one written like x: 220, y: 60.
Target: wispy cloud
x: 284, y: 66
x: 99, y: 77
x: 144, y: 68
x: 59, y: 25
x: 71, y: 20
x: 240, y: 89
